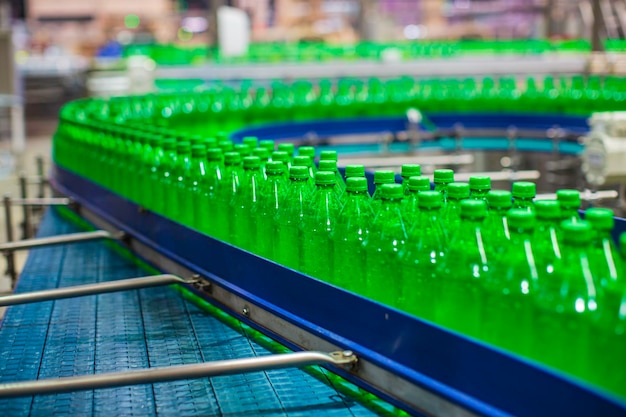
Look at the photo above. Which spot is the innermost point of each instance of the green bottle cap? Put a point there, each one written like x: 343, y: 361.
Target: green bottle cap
x: 222, y: 137
x: 214, y: 154
x: 226, y: 145
x: 169, y: 144
x: 355, y: 171
x: 547, y: 209
x: 232, y: 158
x: 210, y: 142
x: 430, y: 199
x: 243, y: 149
x: 324, y: 178
x: 251, y: 141
x: 262, y: 153
x: 155, y: 141
x: 479, y: 183
x: 354, y: 184
x: 384, y: 177
x: 411, y: 170
x: 524, y: 189
x: 281, y: 156
x: 600, y: 218
x: 472, y: 209
x: 306, y: 151
x: 287, y: 147
x: 458, y: 190
x: 443, y: 176
x: 195, y: 140
x: 198, y: 151
x: 251, y: 162
x: 569, y: 199
x: 328, y: 156
x: 499, y: 199
x: 419, y: 183
x: 303, y: 161
x: 267, y: 144
x: 327, y: 165
x: 274, y: 168
x: 576, y: 232
x: 520, y: 219
x: 298, y: 172
x: 183, y: 148
x: 391, y: 191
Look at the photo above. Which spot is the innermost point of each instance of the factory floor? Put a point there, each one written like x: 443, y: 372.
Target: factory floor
x: 38, y: 143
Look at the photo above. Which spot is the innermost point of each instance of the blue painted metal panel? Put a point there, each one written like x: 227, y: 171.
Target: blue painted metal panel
x: 483, y: 379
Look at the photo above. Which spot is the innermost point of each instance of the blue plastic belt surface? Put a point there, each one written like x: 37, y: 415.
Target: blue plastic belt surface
x: 136, y: 330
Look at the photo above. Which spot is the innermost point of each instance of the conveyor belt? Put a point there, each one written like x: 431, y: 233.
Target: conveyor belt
x: 141, y: 329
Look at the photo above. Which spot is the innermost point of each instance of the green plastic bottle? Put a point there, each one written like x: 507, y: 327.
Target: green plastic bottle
x: 605, y: 255
x: 421, y: 258
x: 329, y: 155
x: 288, y: 147
x: 318, y: 226
x: 457, y: 192
x: 496, y: 225
x: 408, y: 171
x: 153, y: 175
x: 164, y: 190
x: 381, y: 178
x: 507, y: 304
x: 251, y: 141
x: 268, y: 144
x: 207, y: 213
x: 179, y: 209
x: 351, y: 230
x: 547, y: 235
x: 479, y: 187
x: 290, y: 218
x: 233, y: 173
x: 569, y: 201
x: 382, y: 247
x: 244, y: 205
x: 305, y: 161
x: 567, y: 305
x: 331, y: 166
x: 441, y: 178
x: 463, y: 270
x: 272, y: 195
x: 307, y: 151
x: 197, y: 182
x: 622, y: 249
x: 410, y: 204
x: 523, y: 194
x: 263, y: 155
x: 283, y: 157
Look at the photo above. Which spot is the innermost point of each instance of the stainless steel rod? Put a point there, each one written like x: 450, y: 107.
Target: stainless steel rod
x: 40, y: 201
x: 55, y: 240
x: 172, y: 373
x: 91, y: 289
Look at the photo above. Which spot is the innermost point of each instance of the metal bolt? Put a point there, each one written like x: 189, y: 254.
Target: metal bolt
x: 246, y: 311
x: 347, y: 353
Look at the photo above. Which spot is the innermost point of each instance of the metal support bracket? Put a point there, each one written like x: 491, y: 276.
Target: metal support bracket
x: 58, y: 240
x: 174, y: 373
x: 93, y: 289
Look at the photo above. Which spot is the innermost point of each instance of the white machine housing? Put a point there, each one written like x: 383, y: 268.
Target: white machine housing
x: 604, y: 157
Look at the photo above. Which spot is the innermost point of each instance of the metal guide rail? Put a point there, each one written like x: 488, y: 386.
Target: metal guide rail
x: 69, y: 348
x: 417, y: 366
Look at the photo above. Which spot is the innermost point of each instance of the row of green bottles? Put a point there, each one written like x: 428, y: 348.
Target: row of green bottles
x: 491, y: 264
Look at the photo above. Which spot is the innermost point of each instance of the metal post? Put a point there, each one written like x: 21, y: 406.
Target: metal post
x: 41, y: 188
x: 93, y: 289
x: 26, y: 222
x: 10, y: 255
x: 57, y: 240
x: 40, y: 202
x: 173, y: 373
